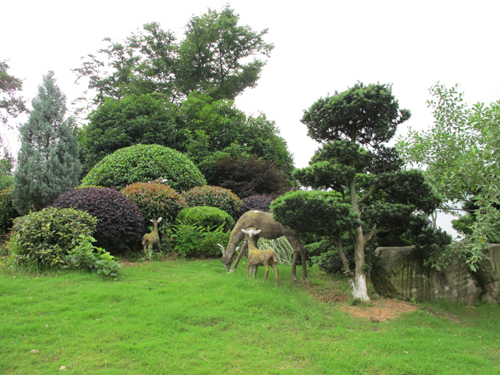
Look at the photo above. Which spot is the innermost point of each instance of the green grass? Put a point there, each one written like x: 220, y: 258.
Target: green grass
x: 190, y: 317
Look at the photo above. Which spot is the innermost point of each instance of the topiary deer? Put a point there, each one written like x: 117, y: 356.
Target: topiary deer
x: 270, y: 229
x: 258, y: 257
x: 149, y: 239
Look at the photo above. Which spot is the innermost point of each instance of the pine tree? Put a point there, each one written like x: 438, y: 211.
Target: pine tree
x: 47, y: 163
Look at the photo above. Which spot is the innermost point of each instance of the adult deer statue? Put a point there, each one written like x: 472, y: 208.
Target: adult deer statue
x: 270, y: 229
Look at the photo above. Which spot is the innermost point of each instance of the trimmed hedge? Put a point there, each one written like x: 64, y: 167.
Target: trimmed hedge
x: 143, y: 163
x: 155, y: 200
x: 214, y: 196
x: 121, y: 224
x: 208, y: 217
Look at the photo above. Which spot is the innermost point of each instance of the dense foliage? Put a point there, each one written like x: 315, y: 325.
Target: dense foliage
x: 213, y: 196
x: 256, y: 202
x: 143, y: 163
x: 208, y: 217
x: 7, y: 211
x: 247, y: 175
x: 115, y: 124
x: 121, y: 224
x: 215, y: 57
x: 219, y: 126
x: 44, y: 238
x: 47, y: 164
x: 370, y: 193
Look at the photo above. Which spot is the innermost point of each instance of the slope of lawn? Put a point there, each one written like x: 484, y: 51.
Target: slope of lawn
x: 190, y: 317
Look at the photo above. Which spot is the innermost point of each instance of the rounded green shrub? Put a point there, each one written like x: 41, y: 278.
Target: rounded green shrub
x: 214, y: 196
x: 121, y: 224
x: 43, y: 238
x: 7, y: 211
x: 143, y: 163
x: 155, y: 200
x: 208, y: 217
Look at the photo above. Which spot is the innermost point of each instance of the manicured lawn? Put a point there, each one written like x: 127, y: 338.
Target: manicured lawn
x: 190, y: 317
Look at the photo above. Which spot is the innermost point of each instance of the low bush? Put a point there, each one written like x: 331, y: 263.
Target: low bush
x: 143, y: 163
x: 7, y: 211
x: 86, y: 256
x: 121, y: 224
x: 207, y: 217
x: 45, y: 237
x: 214, y: 196
x: 191, y: 240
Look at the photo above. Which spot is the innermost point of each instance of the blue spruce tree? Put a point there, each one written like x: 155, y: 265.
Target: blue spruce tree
x: 47, y: 163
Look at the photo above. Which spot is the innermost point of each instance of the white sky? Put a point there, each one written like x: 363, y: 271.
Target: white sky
x: 320, y: 47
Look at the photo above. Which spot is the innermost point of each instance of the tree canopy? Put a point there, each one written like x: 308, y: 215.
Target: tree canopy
x: 199, y: 127
x: 214, y: 58
x: 460, y: 156
x: 370, y: 194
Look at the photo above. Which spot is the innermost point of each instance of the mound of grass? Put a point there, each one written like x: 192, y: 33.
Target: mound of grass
x: 190, y: 317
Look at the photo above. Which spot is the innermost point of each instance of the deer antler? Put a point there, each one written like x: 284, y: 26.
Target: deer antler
x: 222, y: 248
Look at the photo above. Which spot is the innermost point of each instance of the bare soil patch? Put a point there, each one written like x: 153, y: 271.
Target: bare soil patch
x: 380, y: 310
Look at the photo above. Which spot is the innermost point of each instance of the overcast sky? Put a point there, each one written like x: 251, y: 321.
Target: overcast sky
x: 320, y: 47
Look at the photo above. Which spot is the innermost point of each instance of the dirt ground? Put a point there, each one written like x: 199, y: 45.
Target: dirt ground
x: 376, y: 310
x: 380, y: 310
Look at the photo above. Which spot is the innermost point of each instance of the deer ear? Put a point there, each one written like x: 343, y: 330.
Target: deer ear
x: 151, y: 220
x: 245, y: 231
x: 257, y: 231
x: 159, y: 219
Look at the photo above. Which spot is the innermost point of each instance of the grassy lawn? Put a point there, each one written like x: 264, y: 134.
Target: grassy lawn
x: 190, y: 317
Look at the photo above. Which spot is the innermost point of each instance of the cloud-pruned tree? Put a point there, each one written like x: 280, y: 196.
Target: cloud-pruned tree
x: 366, y: 192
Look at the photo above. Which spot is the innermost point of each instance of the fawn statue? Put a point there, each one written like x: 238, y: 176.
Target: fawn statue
x: 149, y: 239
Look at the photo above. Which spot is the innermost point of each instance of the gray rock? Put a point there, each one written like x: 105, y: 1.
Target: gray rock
x: 399, y: 272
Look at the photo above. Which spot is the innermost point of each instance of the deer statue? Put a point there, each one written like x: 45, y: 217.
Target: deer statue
x: 258, y: 257
x: 149, y: 239
x: 270, y: 229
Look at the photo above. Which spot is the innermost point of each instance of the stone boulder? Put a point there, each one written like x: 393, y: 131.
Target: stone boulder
x: 399, y: 272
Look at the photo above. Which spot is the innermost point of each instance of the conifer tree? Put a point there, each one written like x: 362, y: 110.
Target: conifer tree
x: 47, y: 163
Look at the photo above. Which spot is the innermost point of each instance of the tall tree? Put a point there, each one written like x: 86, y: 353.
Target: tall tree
x: 48, y: 162
x: 135, y: 119
x: 213, y: 58
x: 11, y: 104
x: 365, y: 174
x: 460, y: 156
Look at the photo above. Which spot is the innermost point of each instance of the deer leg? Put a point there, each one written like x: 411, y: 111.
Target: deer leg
x: 304, y: 265
x: 240, y: 255
x: 255, y: 268
x: 275, y: 268
x: 266, y: 265
x: 294, y: 265
x: 246, y: 268
x: 159, y: 248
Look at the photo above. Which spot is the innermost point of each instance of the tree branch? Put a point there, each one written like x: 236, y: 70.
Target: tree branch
x: 368, y: 193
